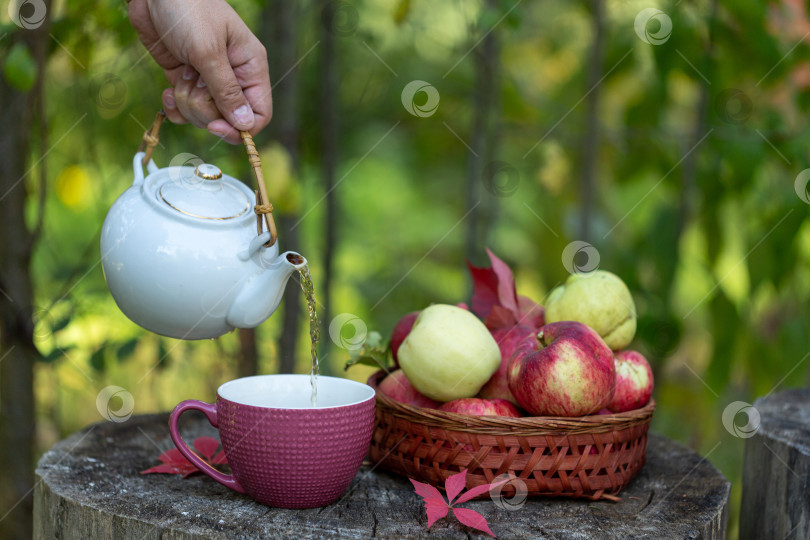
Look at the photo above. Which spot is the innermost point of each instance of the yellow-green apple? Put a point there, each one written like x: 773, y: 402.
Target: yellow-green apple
x: 634, y: 382
x: 403, y: 328
x: 400, y: 332
x: 508, y: 339
x: 569, y: 373
x: 449, y: 353
x: 397, y: 386
x: 481, y: 407
x: 599, y: 299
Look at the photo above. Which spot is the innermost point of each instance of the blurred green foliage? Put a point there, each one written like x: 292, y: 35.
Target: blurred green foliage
x: 718, y: 263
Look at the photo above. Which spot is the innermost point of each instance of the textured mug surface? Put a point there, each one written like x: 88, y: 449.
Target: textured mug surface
x: 282, y: 451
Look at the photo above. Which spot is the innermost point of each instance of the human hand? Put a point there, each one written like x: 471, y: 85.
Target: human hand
x: 217, y: 67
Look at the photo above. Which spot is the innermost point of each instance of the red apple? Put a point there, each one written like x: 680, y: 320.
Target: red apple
x: 508, y: 339
x: 397, y: 387
x: 401, y: 331
x: 634, y: 381
x: 570, y: 374
x: 481, y: 407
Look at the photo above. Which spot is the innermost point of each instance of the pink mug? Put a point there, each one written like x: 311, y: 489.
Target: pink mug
x: 283, y: 452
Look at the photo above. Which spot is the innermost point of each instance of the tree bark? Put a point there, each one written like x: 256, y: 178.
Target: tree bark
x: 590, y: 155
x: 18, y: 352
x: 776, y: 466
x: 280, y: 32
x: 329, y: 153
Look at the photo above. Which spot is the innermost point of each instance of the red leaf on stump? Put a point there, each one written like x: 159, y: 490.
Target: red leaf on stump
x: 437, y: 507
x: 473, y: 519
x: 173, y: 462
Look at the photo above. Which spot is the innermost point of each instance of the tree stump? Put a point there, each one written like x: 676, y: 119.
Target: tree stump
x: 776, y: 468
x: 89, y: 486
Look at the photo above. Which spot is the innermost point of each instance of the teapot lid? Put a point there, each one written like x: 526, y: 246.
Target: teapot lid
x: 202, y: 192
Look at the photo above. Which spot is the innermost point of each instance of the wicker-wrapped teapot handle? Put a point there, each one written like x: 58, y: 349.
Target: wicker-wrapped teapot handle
x: 262, y: 207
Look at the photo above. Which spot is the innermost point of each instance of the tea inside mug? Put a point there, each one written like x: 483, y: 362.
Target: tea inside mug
x: 294, y: 392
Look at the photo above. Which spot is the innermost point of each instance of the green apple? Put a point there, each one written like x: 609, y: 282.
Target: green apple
x: 599, y: 299
x: 449, y: 353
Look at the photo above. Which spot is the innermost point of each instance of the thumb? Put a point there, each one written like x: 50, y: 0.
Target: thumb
x: 218, y: 75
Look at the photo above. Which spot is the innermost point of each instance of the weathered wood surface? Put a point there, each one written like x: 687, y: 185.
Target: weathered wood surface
x: 89, y: 486
x: 776, y: 469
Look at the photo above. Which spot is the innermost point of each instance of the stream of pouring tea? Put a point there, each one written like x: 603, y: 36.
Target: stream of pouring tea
x: 314, y: 332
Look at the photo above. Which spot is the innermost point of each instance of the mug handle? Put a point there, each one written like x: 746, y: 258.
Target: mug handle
x: 210, y: 411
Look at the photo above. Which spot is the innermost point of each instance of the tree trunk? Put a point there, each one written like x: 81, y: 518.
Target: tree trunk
x: 689, y: 165
x: 89, y: 489
x: 17, y: 350
x: 280, y: 34
x: 776, y: 465
x: 248, y: 362
x: 590, y: 158
x: 482, y: 146
x: 329, y: 152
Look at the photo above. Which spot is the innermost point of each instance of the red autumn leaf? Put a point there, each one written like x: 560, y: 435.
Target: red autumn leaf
x: 436, y: 510
x: 500, y: 317
x: 485, y: 290
x: 473, y: 519
x: 495, y: 300
x: 480, y: 490
x: 206, y: 446
x: 169, y: 468
x: 426, y: 490
x: 531, y: 313
x: 173, y: 462
x: 437, y: 507
x: 455, y: 484
x: 506, y: 283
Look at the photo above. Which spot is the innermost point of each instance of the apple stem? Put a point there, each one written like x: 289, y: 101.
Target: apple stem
x: 541, y: 337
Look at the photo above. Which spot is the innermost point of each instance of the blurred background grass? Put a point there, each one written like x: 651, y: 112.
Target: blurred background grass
x: 558, y: 121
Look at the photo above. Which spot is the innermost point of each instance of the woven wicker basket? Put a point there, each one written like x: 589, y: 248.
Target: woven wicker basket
x: 591, y: 457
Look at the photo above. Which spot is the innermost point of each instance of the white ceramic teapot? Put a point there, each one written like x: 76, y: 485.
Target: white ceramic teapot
x: 181, y: 253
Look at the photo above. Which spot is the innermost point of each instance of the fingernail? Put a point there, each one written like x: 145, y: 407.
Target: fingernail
x: 200, y: 83
x: 216, y: 134
x: 168, y: 100
x: 188, y: 73
x: 244, y: 115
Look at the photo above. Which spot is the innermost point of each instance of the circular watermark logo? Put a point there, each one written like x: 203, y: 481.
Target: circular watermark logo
x: 340, y: 18
x: 501, y: 179
x: 348, y: 331
x: 109, y: 93
x: 733, y: 106
x: 415, y: 88
x: 43, y: 324
x: 802, y: 185
x: 115, y: 404
x: 184, y: 159
x: 518, y: 498
x: 580, y: 257
x: 653, y: 26
x: 28, y: 14
x: 741, y: 419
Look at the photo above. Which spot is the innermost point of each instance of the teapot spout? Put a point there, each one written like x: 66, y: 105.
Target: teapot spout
x: 262, y: 292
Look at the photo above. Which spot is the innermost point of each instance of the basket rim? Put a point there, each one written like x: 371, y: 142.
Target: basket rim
x: 504, y: 425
